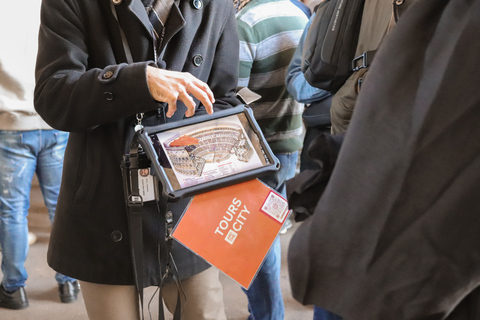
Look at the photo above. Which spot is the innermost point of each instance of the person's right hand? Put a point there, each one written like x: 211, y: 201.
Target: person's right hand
x: 170, y: 86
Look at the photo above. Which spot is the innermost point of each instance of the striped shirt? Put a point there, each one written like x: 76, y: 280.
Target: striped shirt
x: 269, y: 31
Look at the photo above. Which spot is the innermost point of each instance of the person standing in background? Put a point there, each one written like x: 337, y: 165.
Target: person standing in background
x: 317, y: 115
x: 269, y: 32
x: 313, y: 97
x: 28, y: 145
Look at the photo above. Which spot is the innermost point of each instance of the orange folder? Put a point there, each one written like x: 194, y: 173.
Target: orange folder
x: 233, y: 228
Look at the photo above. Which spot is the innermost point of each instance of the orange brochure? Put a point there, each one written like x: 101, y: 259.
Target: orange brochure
x: 233, y: 228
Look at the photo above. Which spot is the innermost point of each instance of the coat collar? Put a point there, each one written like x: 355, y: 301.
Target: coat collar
x: 175, y: 21
x: 138, y: 9
x: 174, y: 24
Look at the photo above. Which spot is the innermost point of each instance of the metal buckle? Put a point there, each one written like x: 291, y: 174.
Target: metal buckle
x: 135, y: 200
x: 364, y: 62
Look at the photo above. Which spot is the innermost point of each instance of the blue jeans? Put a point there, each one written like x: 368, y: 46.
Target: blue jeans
x: 265, y: 301
x: 23, y: 153
x: 322, y: 314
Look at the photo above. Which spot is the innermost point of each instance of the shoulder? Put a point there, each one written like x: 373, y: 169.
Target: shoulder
x: 302, y: 6
x: 258, y: 13
x: 263, y: 18
x: 73, y: 12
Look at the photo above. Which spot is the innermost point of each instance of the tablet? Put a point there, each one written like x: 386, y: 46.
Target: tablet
x: 207, y: 152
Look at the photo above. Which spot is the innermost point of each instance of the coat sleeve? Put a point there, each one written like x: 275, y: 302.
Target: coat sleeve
x: 223, y: 77
x: 395, y: 234
x: 73, y: 91
x: 247, y: 52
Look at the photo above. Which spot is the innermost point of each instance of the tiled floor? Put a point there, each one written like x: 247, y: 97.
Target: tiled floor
x: 43, y: 295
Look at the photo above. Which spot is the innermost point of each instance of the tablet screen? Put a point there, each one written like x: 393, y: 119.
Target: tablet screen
x: 203, y: 152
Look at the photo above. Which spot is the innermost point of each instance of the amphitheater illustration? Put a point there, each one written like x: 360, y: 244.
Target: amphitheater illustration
x: 191, y: 150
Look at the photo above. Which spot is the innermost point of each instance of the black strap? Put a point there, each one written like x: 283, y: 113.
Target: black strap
x: 135, y: 203
x: 126, y: 48
x: 170, y: 266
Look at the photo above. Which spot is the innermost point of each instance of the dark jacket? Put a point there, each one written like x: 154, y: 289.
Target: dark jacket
x: 395, y: 235
x: 84, y: 86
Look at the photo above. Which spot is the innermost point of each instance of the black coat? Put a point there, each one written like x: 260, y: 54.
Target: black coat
x: 396, y: 234
x: 84, y: 86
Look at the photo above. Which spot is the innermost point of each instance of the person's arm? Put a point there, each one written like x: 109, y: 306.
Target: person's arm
x: 296, y: 83
x: 223, y: 76
x: 247, y: 53
x: 72, y: 94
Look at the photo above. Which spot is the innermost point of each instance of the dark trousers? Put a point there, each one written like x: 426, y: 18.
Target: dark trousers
x: 310, y: 134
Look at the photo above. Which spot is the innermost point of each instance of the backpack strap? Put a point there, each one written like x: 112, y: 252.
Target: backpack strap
x: 377, y: 20
x: 363, y: 60
x: 375, y: 24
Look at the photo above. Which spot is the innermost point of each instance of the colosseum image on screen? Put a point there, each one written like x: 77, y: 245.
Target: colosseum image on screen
x: 189, y: 152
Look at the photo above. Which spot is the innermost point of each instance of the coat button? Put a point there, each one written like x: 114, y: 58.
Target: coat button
x: 108, y: 96
x: 197, y: 60
x: 116, y: 2
x: 116, y: 236
x: 198, y: 4
x: 107, y: 75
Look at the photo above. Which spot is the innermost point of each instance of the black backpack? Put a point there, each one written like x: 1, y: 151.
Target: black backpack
x: 331, y: 42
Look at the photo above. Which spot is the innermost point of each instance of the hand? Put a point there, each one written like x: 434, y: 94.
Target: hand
x: 170, y: 86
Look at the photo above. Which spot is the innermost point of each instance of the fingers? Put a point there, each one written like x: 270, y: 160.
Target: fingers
x: 170, y: 86
x: 202, y: 92
x: 187, y: 101
x: 208, y: 98
x: 172, y: 107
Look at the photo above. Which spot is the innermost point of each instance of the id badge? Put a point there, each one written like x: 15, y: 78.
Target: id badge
x: 146, y: 185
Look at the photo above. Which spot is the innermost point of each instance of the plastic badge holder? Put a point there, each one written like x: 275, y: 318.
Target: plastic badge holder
x: 207, y: 152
